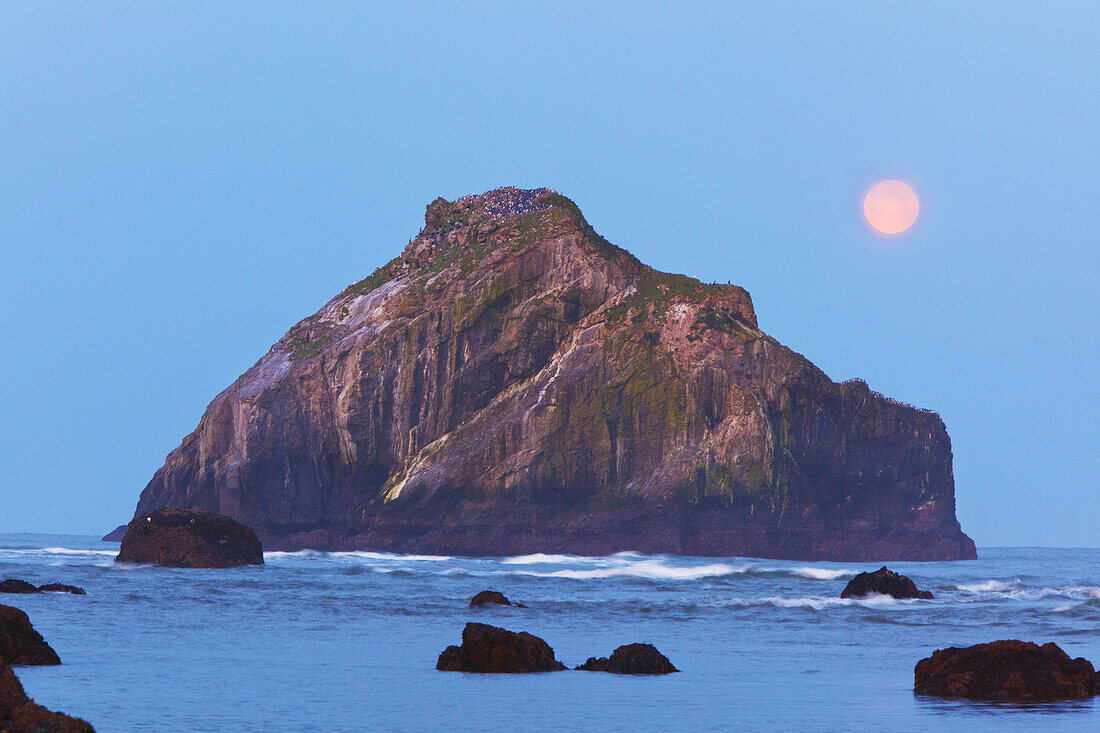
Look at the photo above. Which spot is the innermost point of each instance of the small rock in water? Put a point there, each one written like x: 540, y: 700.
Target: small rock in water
x: 631, y: 659
x: 492, y: 649
x: 1006, y: 670
x: 884, y: 582
x: 20, y: 643
x: 183, y: 538
x: 492, y: 597
x: 61, y: 588
x: 15, y: 585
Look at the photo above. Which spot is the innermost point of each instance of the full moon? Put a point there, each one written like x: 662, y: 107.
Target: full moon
x: 891, y: 207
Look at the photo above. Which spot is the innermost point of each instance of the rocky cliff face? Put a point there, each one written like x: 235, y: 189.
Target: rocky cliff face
x: 514, y: 383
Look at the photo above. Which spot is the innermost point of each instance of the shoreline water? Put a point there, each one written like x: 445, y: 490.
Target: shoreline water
x: 326, y: 641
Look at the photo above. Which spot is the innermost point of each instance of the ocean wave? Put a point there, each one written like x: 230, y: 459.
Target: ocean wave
x: 989, y: 586
x: 539, y: 558
x: 650, y: 569
x: 352, y: 555
x: 819, y: 603
x: 822, y: 573
x: 71, y: 551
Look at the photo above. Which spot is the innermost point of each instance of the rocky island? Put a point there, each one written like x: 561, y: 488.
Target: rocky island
x: 513, y: 383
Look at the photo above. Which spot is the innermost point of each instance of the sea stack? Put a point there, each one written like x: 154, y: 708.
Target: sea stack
x: 514, y: 383
x: 180, y: 538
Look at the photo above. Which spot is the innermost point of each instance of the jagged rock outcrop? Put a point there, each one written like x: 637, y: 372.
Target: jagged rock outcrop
x: 492, y: 598
x: 493, y: 649
x: 1006, y: 670
x: 20, y: 644
x: 18, y: 713
x: 181, y: 538
x: 886, y: 582
x: 631, y: 659
x: 514, y: 383
x: 15, y: 585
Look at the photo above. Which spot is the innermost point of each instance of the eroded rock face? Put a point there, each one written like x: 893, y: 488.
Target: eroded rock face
x: 884, y: 582
x: 19, y: 713
x: 1006, y: 670
x: 20, y: 644
x: 189, y: 539
x: 493, y: 649
x: 513, y: 383
x: 631, y: 659
x: 492, y: 598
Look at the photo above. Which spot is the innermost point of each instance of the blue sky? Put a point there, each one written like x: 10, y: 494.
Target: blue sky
x: 181, y: 182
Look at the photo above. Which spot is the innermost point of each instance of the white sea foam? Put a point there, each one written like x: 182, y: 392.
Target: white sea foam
x: 652, y: 569
x: 822, y: 573
x: 988, y: 586
x: 353, y: 555
x: 539, y: 558
x: 70, y: 551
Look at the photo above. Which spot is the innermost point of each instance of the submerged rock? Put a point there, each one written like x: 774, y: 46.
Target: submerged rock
x: 61, y: 588
x: 15, y: 585
x: 492, y: 649
x: 20, y: 644
x: 1006, y: 670
x: 884, y: 582
x: 514, y: 383
x: 182, y: 538
x: 19, y: 713
x: 492, y: 597
x: 631, y: 659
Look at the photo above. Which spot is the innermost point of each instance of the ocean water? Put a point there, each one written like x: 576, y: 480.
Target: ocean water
x: 317, y: 641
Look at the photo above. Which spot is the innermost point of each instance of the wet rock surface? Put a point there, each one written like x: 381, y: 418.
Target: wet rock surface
x: 631, y: 659
x: 513, y: 383
x: 1006, y: 670
x: 15, y: 585
x: 61, y: 588
x: 492, y: 649
x: 20, y: 644
x: 492, y: 598
x: 182, y: 538
x: 20, y: 714
x: 883, y: 582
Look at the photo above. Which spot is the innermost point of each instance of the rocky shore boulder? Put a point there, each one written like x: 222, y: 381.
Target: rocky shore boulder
x: 631, y: 659
x: 1006, y: 670
x: 492, y: 598
x: 492, y: 649
x: 61, y: 588
x: 183, y: 538
x: 19, y: 713
x: 20, y: 644
x: 883, y: 582
x: 15, y: 585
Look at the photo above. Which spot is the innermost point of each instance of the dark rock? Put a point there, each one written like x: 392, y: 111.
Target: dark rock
x: 116, y: 534
x: 514, y: 383
x: 884, y: 582
x: 492, y: 597
x: 492, y: 649
x: 1005, y: 670
x: 631, y: 659
x: 19, y: 713
x: 61, y: 588
x: 14, y: 585
x: 20, y: 644
x: 181, y: 538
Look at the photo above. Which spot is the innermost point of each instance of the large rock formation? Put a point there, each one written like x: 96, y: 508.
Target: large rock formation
x: 20, y: 644
x: 1006, y: 670
x: 19, y: 713
x: 493, y: 649
x: 182, y: 538
x: 513, y: 383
